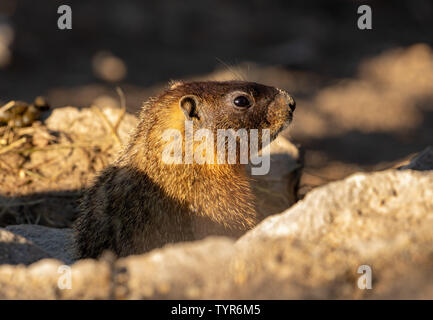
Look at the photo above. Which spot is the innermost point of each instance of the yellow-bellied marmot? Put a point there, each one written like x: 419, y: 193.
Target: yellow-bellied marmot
x: 140, y: 202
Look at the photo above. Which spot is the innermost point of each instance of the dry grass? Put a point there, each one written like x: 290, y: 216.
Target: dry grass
x: 41, y: 167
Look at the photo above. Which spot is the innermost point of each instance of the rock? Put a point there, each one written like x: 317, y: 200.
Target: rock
x: 15, y: 249
x: 46, y: 280
x: 37, y: 281
x: 278, y: 189
x: 361, y: 202
x: 186, y: 271
x: 56, y: 242
x: 90, y: 279
x: 86, y: 122
x: 383, y: 220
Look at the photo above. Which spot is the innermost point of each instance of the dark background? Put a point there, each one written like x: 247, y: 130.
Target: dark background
x: 170, y: 39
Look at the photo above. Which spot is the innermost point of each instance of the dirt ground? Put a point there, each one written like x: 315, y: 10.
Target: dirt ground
x: 364, y: 98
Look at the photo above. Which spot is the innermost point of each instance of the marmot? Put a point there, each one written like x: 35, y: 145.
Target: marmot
x: 140, y: 202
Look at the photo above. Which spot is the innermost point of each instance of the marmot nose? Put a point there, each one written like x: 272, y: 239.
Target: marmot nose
x: 287, y: 99
x: 291, y: 102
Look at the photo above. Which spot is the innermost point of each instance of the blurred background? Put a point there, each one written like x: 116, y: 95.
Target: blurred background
x: 364, y: 97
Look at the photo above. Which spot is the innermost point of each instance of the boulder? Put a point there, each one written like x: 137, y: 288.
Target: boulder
x: 193, y: 270
x: 15, y: 249
x: 49, y: 279
x: 277, y: 190
x: 56, y: 242
x: 358, y: 208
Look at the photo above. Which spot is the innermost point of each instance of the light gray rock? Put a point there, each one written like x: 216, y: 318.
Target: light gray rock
x: 85, y: 122
x: 191, y: 270
x: 15, y: 249
x: 56, y: 242
x: 48, y: 279
x: 278, y: 189
x: 360, y: 208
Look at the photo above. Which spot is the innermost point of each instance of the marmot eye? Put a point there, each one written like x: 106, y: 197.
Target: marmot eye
x: 241, y: 101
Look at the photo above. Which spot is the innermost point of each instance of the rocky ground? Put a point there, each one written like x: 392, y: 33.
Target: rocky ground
x: 312, y: 250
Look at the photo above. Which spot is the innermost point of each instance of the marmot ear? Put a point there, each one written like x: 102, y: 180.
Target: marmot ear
x: 189, y: 106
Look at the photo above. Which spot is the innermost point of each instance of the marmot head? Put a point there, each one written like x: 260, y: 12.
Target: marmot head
x: 237, y: 105
x: 234, y: 105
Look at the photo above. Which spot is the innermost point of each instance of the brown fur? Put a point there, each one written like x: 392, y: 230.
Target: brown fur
x: 140, y: 203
